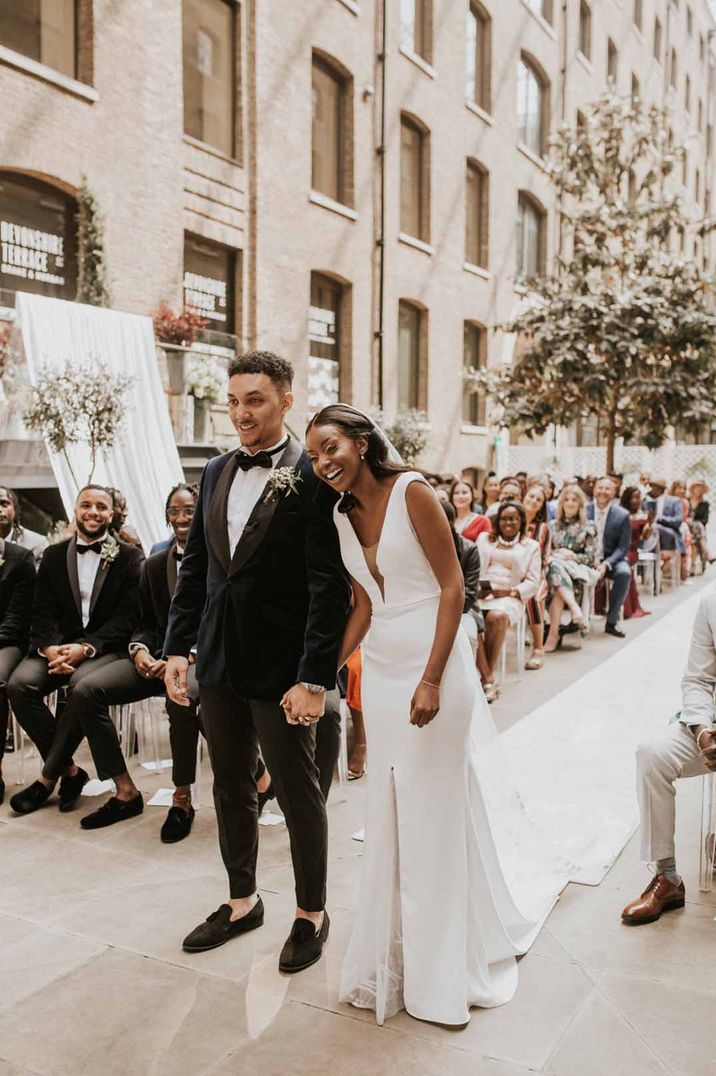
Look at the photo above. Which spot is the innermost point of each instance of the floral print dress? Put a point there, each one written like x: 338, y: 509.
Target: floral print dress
x: 581, y: 538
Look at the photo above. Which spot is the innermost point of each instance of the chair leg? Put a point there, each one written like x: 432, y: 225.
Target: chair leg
x: 707, y: 843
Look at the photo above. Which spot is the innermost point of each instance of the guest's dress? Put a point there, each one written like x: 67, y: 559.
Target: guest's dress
x: 632, y: 605
x: 436, y: 930
x: 542, y: 534
x: 582, y: 539
x: 470, y: 527
x: 509, y: 566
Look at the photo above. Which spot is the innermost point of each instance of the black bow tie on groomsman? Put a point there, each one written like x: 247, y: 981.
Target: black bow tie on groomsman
x: 93, y: 547
x: 177, y: 555
x: 260, y: 459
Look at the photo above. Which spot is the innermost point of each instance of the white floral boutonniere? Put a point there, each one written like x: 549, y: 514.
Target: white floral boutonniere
x: 281, y: 480
x: 109, y: 551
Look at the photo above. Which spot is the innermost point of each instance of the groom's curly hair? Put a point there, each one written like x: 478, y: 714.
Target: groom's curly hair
x: 279, y: 370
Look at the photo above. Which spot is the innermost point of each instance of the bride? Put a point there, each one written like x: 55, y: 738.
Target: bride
x: 437, y: 930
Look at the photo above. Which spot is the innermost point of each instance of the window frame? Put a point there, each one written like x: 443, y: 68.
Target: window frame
x: 344, y: 327
x: 476, y: 168
x: 474, y: 404
x: 612, y: 61
x: 422, y: 17
x: 78, y: 74
x: 482, y: 94
x: 584, y: 41
x: 410, y: 121
x: 527, y: 201
x: 343, y: 79
x: 658, y: 40
x: 528, y: 61
x: 638, y: 14
x: 236, y: 148
x: 418, y: 395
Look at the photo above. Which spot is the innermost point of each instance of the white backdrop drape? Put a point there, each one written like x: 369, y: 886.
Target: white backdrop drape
x: 144, y: 462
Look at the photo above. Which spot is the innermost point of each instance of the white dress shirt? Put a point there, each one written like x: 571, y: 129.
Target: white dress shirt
x: 245, y: 491
x: 87, y: 568
x: 600, y: 518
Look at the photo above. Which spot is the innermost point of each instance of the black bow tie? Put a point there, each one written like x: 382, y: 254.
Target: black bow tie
x: 177, y: 555
x: 93, y: 547
x: 260, y: 459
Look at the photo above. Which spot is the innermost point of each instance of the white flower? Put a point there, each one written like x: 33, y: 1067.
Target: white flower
x: 109, y: 551
x: 281, y: 480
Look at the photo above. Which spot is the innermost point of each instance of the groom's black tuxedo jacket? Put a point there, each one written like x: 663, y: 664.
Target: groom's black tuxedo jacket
x: 159, y: 580
x: 17, y: 584
x: 114, y: 606
x: 274, y: 613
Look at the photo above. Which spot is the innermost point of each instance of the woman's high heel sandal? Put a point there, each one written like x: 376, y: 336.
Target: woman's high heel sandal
x: 535, y: 662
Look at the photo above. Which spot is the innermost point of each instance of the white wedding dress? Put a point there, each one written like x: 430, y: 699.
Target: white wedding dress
x: 437, y: 930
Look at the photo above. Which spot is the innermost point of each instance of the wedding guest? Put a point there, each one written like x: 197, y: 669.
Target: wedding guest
x: 641, y: 528
x: 472, y: 618
x: 535, y: 506
x: 668, y: 515
x: 510, y: 563
x: 687, y: 748
x: 677, y: 489
x: 85, y: 607
x: 551, y: 498
x: 644, y: 483
x: 490, y: 492
x: 124, y: 532
x: 510, y: 490
x: 468, y: 522
x: 521, y: 477
x: 17, y: 583
x: 357, y: 759
x: 613, y: 542
x: 617, y: 481
x: 11, y: 528
x: 572, y: 565
x: 699, y: 519
x: 587, y: 486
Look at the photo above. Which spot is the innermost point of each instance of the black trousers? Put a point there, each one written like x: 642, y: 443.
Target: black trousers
x: 235, y: 727
x: 10, y: 658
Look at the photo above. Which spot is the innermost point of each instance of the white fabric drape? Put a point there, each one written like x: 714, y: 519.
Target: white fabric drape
x: 144, y: 463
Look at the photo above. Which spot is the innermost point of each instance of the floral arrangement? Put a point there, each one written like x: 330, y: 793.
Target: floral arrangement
x: 205, y: 381
x: 181, y: 329
x: 281, y: 480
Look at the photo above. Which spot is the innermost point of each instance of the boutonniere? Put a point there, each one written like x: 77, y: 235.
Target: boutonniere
x: 109, y: 551
x: 2, y: 562
x: 281, y: 480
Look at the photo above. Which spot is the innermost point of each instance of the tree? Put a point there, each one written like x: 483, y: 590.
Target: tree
x: 92, y: 286
x: 407, y: 432
x: 621, y: 329
x: 73, y: 405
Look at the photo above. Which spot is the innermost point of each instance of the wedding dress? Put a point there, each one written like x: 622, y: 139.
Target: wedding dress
x: 437, y: 930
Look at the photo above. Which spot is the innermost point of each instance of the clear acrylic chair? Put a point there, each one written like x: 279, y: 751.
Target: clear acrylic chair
x: 708, y: 832
x: 520, y: 636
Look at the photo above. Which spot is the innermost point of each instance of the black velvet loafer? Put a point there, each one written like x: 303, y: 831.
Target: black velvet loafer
x: 113, y: 811
x: 303, y: 946
x: 218, y: 928
x: 2, y: 790
x: 177, y: 825
x: 71, y: 789
x: 31, y: 798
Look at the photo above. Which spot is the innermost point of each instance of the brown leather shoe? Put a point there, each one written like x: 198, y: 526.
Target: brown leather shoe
x: 660, y: 895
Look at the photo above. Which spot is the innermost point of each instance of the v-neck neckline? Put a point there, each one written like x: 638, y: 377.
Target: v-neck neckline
x: 376, y: 545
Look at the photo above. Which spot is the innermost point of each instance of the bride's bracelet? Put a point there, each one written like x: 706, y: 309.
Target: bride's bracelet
x: 431, y: 684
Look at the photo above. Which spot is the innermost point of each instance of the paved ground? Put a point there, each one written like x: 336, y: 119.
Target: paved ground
x: 93, y: 982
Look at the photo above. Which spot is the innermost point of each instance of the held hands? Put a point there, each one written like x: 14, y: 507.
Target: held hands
x: 63, y: 660
x: 176, y: 681
x: 424, y: 704
x: 706, y: 740
x: 149, y: 667
x: 303, y: 707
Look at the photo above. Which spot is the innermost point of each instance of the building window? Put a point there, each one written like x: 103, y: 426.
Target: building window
x: 414, y: 180
x: 474, y: 403
x: 702, y: 48
x: 37, y: 238
x: 412, y: 354
x: 531, y: 219
x: 687, y: 94
x: 700, y: 116
x: 689, y: 21
x: 638, y: 13
x: 332, y: 132
x: 543, y: 8
x: 477, y: 211
x: 657, y: 39
x: 697, y: 186
x: 329, y: 342
x: 612, y: 60
x: 635, y: 91
x: 210, y: 58
x: 531, y: 106
x: 46, y: 32
x: 685, y: 169
x: 674, y: 69
x: 478, y: 56
x: 209, y: 282
x: 585, y: 29
x: 416, y: 27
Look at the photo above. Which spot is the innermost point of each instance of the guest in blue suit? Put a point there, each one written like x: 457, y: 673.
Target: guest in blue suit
x: 614, y: 539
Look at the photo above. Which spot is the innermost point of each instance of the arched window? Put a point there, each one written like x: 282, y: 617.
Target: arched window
x: 477, y: 214
x: 412, y: 354
x: 585, y: 29
x: 531, y: 229
x: 37, y: 237
x: 478, y: 55
x: 532, y: 106
x: 416, y: 27
x: 210, y: 58
x: 414, y: 178
x: 332, y: 132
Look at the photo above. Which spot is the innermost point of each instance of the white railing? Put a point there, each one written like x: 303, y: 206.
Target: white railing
x: 670, y: 462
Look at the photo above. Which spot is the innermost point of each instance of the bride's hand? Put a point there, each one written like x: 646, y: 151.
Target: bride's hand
x: 424, y: 704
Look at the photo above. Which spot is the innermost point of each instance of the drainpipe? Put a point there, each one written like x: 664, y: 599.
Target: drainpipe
x: 562, y: 112
x: 380, y: 238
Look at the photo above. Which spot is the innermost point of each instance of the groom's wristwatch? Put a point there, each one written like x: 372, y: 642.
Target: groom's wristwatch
x: 313, y: 689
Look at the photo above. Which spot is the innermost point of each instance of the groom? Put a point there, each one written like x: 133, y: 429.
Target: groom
x: 262, y: 583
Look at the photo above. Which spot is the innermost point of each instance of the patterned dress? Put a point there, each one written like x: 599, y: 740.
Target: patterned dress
x: 581, y: 538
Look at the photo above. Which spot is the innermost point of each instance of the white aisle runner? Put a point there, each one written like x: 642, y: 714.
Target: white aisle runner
x: 572, y: 758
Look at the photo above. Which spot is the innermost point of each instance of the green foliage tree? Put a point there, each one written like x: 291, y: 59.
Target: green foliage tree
x: 74, y: 405
x: 622, y: 328
x: 92, y: 285
x: 406, y: 430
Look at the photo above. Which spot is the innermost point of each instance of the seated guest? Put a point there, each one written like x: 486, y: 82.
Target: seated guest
x: 85, y: 608
x: 119, y: 518
x: 573, y: 564
x: 613, y: 542
x: 678, y: 489
x: 668, y: 515
x: 472, y: 619
x: 699, y: 519
x: 17, y: 584
x: 641, y: 528
x: 468, y: 522
x: 617, y: 482
x: 551, y: 487
x: 510, y: 490
x: 490, y: 492
x: 535, y: 506
x: 11, y: 528
x: 510, y: 572
x: 687, y: 748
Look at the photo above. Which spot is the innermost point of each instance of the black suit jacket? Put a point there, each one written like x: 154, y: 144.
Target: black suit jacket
x: 114, y: 608
x: 159, y: 580
x: 17, y: 584
x: 274, y: 613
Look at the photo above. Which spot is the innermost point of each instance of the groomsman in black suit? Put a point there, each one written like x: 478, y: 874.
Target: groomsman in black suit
x: 17, y: 584
x: 262, y: 583
x: 85, y: 609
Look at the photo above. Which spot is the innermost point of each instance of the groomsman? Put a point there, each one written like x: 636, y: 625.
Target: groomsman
x: 86, y: 606
x: 262, y: 583
x: 11, y: 528
x: 17, y: 583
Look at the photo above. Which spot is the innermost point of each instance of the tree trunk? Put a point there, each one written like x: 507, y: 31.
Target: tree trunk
x: 611, y: 440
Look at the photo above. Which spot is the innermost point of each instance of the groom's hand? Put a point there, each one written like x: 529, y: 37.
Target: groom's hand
x: 303, y: 707
x: 175, y: 680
